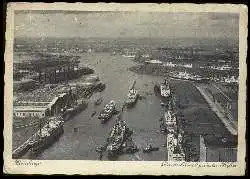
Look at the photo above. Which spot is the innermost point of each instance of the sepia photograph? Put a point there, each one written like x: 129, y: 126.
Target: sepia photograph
x: 120, y: 85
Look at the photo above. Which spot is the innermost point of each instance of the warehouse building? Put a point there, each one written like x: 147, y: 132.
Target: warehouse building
x: 217, y: 150
x: 43, y: 102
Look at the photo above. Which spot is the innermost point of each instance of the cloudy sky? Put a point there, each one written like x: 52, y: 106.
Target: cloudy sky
x: 125, y: 24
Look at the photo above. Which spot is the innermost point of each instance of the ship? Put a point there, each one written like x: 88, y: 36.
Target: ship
x: 189, y: 77
x: 170, y: 122
x: 132, y: 96
x: 98, y: 101
x: 117, y: 138
x: 107, y: 112
x: 100, y: 87
x: 75, y: 109
x: 129, y: 55
x: 150, y: 148
x: 46, y: 136
x: 163, y: 89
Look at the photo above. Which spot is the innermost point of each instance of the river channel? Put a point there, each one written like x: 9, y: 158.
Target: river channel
x: 143, y: 119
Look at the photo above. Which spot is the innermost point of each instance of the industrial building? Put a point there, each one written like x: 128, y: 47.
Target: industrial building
x: 217, y: 150
x: 49, y: 69
x: 44, y: 102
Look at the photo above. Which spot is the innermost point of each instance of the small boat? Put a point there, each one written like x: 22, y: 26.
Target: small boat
x: 100, y: 87
x: 149, y: 149
x: 98, y: 101
x: 99, y: 149
x: 75, y: 129
x: 93, y: 113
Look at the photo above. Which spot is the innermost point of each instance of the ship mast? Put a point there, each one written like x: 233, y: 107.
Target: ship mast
x: 133, y: 85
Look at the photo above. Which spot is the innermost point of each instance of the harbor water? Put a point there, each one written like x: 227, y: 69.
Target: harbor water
x: 143, y: 119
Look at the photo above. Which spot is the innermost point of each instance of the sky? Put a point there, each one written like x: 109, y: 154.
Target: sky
x: 125, y: 24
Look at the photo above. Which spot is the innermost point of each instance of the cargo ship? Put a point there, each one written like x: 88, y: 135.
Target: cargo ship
x: 46, y: 136
x: 163, y: 89
x: 132, y: 96
x: 107, y: 112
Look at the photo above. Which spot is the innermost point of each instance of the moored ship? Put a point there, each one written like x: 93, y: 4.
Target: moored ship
x: 188, y: 76
x: 170, y: 122
x: 107, y: 112
x: 75, y: 109
x: 163, y: 89
x: 129, y: 55
x: 46, y: 136
x: 132, y: 97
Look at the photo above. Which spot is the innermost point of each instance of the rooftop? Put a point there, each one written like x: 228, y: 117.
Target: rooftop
x: 41, y: 96
x: 30, y: 108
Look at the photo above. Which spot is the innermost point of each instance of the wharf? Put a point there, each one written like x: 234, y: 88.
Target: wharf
x: 230, y: 125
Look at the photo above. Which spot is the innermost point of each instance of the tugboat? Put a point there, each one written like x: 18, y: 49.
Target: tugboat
x: 93, y: 113
x: 149, y: 149
x: 98, y: 101
x: 46, y: 136
x: 107, y: 112
x: 100, y: 87
x: 132, y: 96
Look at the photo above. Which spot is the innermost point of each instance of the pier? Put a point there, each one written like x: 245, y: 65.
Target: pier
x: 229, y: 124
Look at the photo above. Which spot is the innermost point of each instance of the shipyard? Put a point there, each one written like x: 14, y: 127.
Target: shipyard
x: 125, y: 99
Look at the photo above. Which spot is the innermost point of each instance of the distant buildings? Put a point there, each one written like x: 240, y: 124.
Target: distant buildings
x: 50, y: 69
x: 24, y: 85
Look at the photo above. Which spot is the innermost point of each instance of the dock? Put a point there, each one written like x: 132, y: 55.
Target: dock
x: 229, y: 124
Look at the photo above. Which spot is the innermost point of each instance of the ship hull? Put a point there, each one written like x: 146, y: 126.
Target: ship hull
x: 108, y: 117
x: 131, y: 103
x: 157, y: 91
x: 104, y: 120
x: 43, y: 144
x: 193, y: 80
